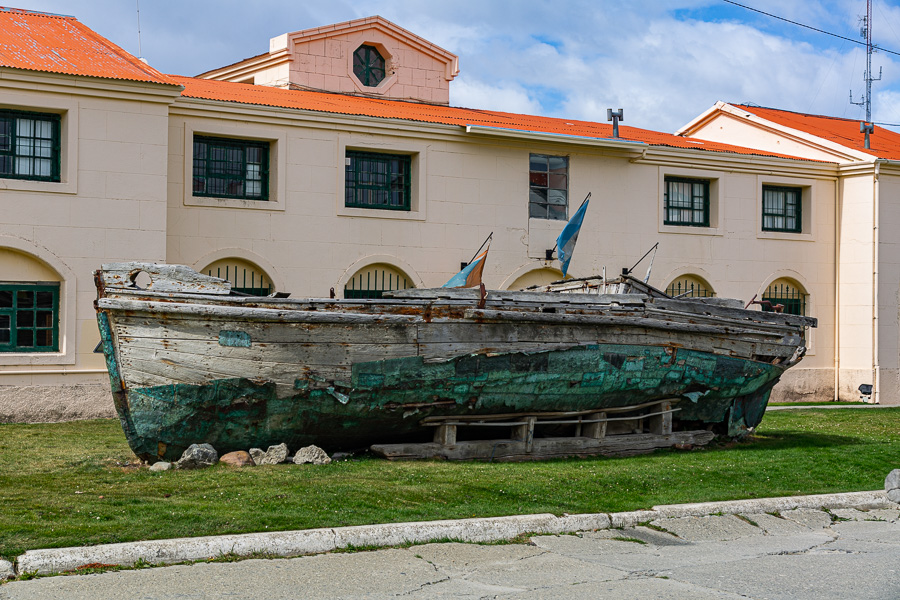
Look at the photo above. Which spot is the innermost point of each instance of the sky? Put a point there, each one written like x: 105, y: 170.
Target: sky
x: 663, y: 61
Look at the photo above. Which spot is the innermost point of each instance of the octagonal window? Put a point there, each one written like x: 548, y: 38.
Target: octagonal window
x: 368, y: 65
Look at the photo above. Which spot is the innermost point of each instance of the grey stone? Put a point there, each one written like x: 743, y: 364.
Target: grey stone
x: 161, y: 466
x: 7, y: 570
x: 892, y: 481
x: 273, y: 456
x: 311, y: 455
x: 894, y: 496
x: 198, y: 456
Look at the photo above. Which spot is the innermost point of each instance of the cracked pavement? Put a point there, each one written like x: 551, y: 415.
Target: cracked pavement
x: 797, y: 554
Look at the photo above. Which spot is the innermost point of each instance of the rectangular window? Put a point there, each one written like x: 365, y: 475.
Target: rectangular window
x: 548, y: 193
x: 29, y: 317
x: 781, y: 208
x: 228, y: 168
x: 29, y: 145
x: 687, y: 202
x: 374, y: 180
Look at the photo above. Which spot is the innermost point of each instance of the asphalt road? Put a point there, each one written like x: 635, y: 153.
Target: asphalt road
x: 801, y: 554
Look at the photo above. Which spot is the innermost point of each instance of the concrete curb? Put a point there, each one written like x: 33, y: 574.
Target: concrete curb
x: 493, y: 529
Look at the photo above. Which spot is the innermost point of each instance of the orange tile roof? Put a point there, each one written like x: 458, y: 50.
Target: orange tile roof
x: 884, y: 142
x: 60, y: 44
x: 429, y: 113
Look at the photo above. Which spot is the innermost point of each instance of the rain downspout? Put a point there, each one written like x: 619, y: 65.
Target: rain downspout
x: 876, y: 368
x: 838, y: 197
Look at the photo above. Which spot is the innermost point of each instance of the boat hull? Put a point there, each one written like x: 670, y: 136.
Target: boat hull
x: 387, y: 399
x: 239, y: 373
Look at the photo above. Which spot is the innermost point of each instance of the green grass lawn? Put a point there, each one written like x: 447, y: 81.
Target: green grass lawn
x: 73, y: 484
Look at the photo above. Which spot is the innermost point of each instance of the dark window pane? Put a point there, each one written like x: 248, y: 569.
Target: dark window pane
x: 45, y: 299
x: 24, y: 318
x: 25, y: 338
x: 6, y: 298
x: 4, y: 321
x: 25, y: 300
x: 44, y: 337
x: 538, y: 179
x: 4, y: 336
x: 44, y: 318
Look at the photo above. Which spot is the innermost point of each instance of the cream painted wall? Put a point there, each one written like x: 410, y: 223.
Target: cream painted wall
x: 468, y: 187
x: 109, y: 206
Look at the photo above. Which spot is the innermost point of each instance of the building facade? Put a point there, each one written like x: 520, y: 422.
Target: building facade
x: 334, y: 161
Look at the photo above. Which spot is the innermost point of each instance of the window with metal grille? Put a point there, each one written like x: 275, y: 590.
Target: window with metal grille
x: 375, y: 180
x: 374, y: 280
x: 29, y: 145
x: 229, y: 168
x: 689, y: 287
x: 687, y: 202
x: 245, y: 278
x: 781, y: 208
x: 368, y: 65
x: 788, y: 294
x: 548, y: 187
x: 29, y: 317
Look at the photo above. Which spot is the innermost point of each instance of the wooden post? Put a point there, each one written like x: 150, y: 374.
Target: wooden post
x: 595, y: 430
x: 661, y: 424
x: 445, y: 435
x: 525, y: 433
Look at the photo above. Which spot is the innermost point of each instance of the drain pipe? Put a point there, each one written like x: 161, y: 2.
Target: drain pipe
x: 838, y: 199
x: 876, y: 209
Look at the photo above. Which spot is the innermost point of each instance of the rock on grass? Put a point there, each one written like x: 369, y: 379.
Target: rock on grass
x: 198, y: 456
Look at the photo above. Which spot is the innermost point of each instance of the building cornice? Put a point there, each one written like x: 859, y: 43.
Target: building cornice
x: 119, y: 89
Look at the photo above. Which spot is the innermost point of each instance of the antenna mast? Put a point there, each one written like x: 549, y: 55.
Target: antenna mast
x: 140, y: 51
x: 865, y: 31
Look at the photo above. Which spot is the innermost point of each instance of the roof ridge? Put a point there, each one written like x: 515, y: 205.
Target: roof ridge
x: 750, y: 107
x: 27, y: 11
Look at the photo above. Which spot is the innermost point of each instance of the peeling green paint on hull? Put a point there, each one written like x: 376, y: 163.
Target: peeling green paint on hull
x: 385, y: 400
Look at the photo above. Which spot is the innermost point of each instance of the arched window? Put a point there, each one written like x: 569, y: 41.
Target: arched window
x: 690, y: 286
x: 368, y: 65
x: 536, y: 277
x: 29, y: 304
x: 372, y: 281
x: 245, y: 277
x: 789, y: 294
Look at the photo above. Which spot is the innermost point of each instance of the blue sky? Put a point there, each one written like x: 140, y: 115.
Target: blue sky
x: 663, y: 61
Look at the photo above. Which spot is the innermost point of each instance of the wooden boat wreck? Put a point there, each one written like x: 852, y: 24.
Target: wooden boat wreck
x: 192, y: 362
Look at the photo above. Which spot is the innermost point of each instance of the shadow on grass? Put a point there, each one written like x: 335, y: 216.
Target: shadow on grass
x: 791, y: 439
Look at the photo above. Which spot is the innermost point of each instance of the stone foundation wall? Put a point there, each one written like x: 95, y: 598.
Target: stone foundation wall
x: 805, y: 385
x: 55, y: 403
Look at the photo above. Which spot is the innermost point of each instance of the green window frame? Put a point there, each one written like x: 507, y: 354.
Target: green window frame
x: 548, y: 187
x: 29, y: 145
x: 378, y: 180
x: 686, y: 202
x: 369, y: 65
x: 231, y: 168
x: 781, y: 208
x: 794, y: 300
x: 29, y: 317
